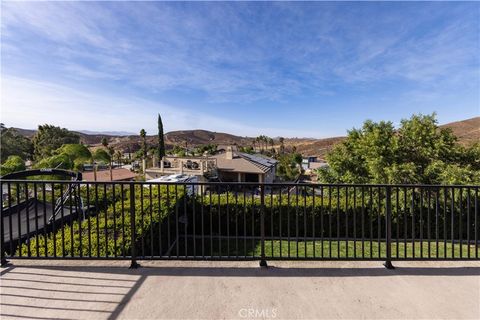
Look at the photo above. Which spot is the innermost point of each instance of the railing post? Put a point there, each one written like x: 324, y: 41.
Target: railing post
x: 134, y: 263
x: 388, y: 228
x: 2, y: 248
x: 263, y: 262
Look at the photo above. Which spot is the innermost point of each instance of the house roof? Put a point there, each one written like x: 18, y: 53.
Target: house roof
x: 244, y: 162
x: 316, y: 165
x: 119, y: 174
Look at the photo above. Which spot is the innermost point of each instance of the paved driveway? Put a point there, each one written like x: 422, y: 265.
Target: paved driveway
x: 240, y: 290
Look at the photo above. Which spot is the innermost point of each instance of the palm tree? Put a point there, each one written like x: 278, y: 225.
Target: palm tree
x: 111, y: 152
x: 105, y: 145
x: 118, y: 156
x: 282, y: 146
x: 259, y: 140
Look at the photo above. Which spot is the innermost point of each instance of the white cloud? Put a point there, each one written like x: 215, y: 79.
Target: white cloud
x: 232, y: 52
x: 27, y: 103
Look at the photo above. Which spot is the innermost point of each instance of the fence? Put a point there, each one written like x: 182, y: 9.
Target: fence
x: 237, y: 221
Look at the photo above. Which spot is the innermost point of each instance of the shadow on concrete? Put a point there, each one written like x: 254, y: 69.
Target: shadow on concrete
x: 103, y: 292
x: 271, y: 271
x: 39, y: 292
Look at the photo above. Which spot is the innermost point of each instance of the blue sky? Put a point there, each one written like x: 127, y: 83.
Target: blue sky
x: 311, y: 69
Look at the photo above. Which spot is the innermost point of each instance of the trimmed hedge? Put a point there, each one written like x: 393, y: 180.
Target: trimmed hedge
x: 109, y: 224
x: 233, y: 215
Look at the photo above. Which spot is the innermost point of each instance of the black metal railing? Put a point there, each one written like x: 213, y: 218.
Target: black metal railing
x: 237, y: 221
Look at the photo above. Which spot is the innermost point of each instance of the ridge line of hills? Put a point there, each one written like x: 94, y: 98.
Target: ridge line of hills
x: 467, y: 131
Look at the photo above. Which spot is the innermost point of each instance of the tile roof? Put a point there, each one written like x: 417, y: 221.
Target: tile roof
x: 119, y: 174
x: 244, y: 162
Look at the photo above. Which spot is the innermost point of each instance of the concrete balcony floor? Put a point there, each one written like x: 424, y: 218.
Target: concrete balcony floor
x: 239, y: 290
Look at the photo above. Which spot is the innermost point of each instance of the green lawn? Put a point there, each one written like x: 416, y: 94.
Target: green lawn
x: 351, y: 249
x: 327, y: 249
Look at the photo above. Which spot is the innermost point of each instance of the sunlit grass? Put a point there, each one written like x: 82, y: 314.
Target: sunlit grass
x: 330, y: 249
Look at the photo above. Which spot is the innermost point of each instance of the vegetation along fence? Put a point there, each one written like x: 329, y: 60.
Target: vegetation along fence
x: 237, y: 221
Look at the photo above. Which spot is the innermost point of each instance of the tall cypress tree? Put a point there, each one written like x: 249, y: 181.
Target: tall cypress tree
x: 161, y: 142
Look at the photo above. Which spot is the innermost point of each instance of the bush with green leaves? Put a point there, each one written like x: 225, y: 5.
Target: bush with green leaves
x: 413, y: 210
x: 418, y: 152
x: 12, y: 143
x: 289, y: 166
x: 12, y: 164
x: 106, y: 231
x: 165, y: 214
x: 49, y: 138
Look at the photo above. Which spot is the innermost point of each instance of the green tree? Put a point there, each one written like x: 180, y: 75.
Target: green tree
x: 58, y: 161
x: 110, y: 152
x: 78, y: 153
x: 101, y: 155
x: 282, y: 144
x: 49, y: 138
x: 161, y: 141
x: 118, y: 156
x: 289, y: 166
x: 12, y: 164
x: 13, y: 143
x: 178, y: 151
x: 247, y: 149
x: 104, y: 142
x: 417, y: 152
x: 209, y: 149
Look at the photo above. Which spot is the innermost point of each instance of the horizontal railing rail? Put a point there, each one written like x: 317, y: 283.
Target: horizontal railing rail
x: 56, y: 219
x: 233, y: 183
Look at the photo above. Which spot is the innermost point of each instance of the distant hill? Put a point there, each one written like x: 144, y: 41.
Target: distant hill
x: 313, y: 147
x: 26, y: 132
x: 467, y: 131
x: 198, y: 137
x: 107, y: 133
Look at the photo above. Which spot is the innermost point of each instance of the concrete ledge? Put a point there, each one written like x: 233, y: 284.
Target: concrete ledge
x: 239, y: 290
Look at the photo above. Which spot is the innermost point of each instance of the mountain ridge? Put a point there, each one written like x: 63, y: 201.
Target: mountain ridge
x: 467, y: 131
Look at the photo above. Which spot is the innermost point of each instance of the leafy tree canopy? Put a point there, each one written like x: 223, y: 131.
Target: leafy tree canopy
x: 289, y: 166
x: 75, y: 151
x: 59, y: 161
x: 78, y: 154
x: 207, y: 148
x: 12, y: 164
x: 101, y: 155
x: 247, y: 149
x: 417, y: 152
x: 13, y: 143
x: 49, y: 138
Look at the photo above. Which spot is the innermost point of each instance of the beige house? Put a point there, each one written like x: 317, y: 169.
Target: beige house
x: 228, y: 166
x: 194, y: 166
x: 234, y: 166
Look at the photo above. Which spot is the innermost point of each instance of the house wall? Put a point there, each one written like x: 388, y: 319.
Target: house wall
x: 149, y: 174
x: 227, y: 176
x: 270, y: 175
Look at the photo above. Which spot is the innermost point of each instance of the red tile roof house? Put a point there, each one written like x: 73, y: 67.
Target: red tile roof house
x: 119, y: 174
